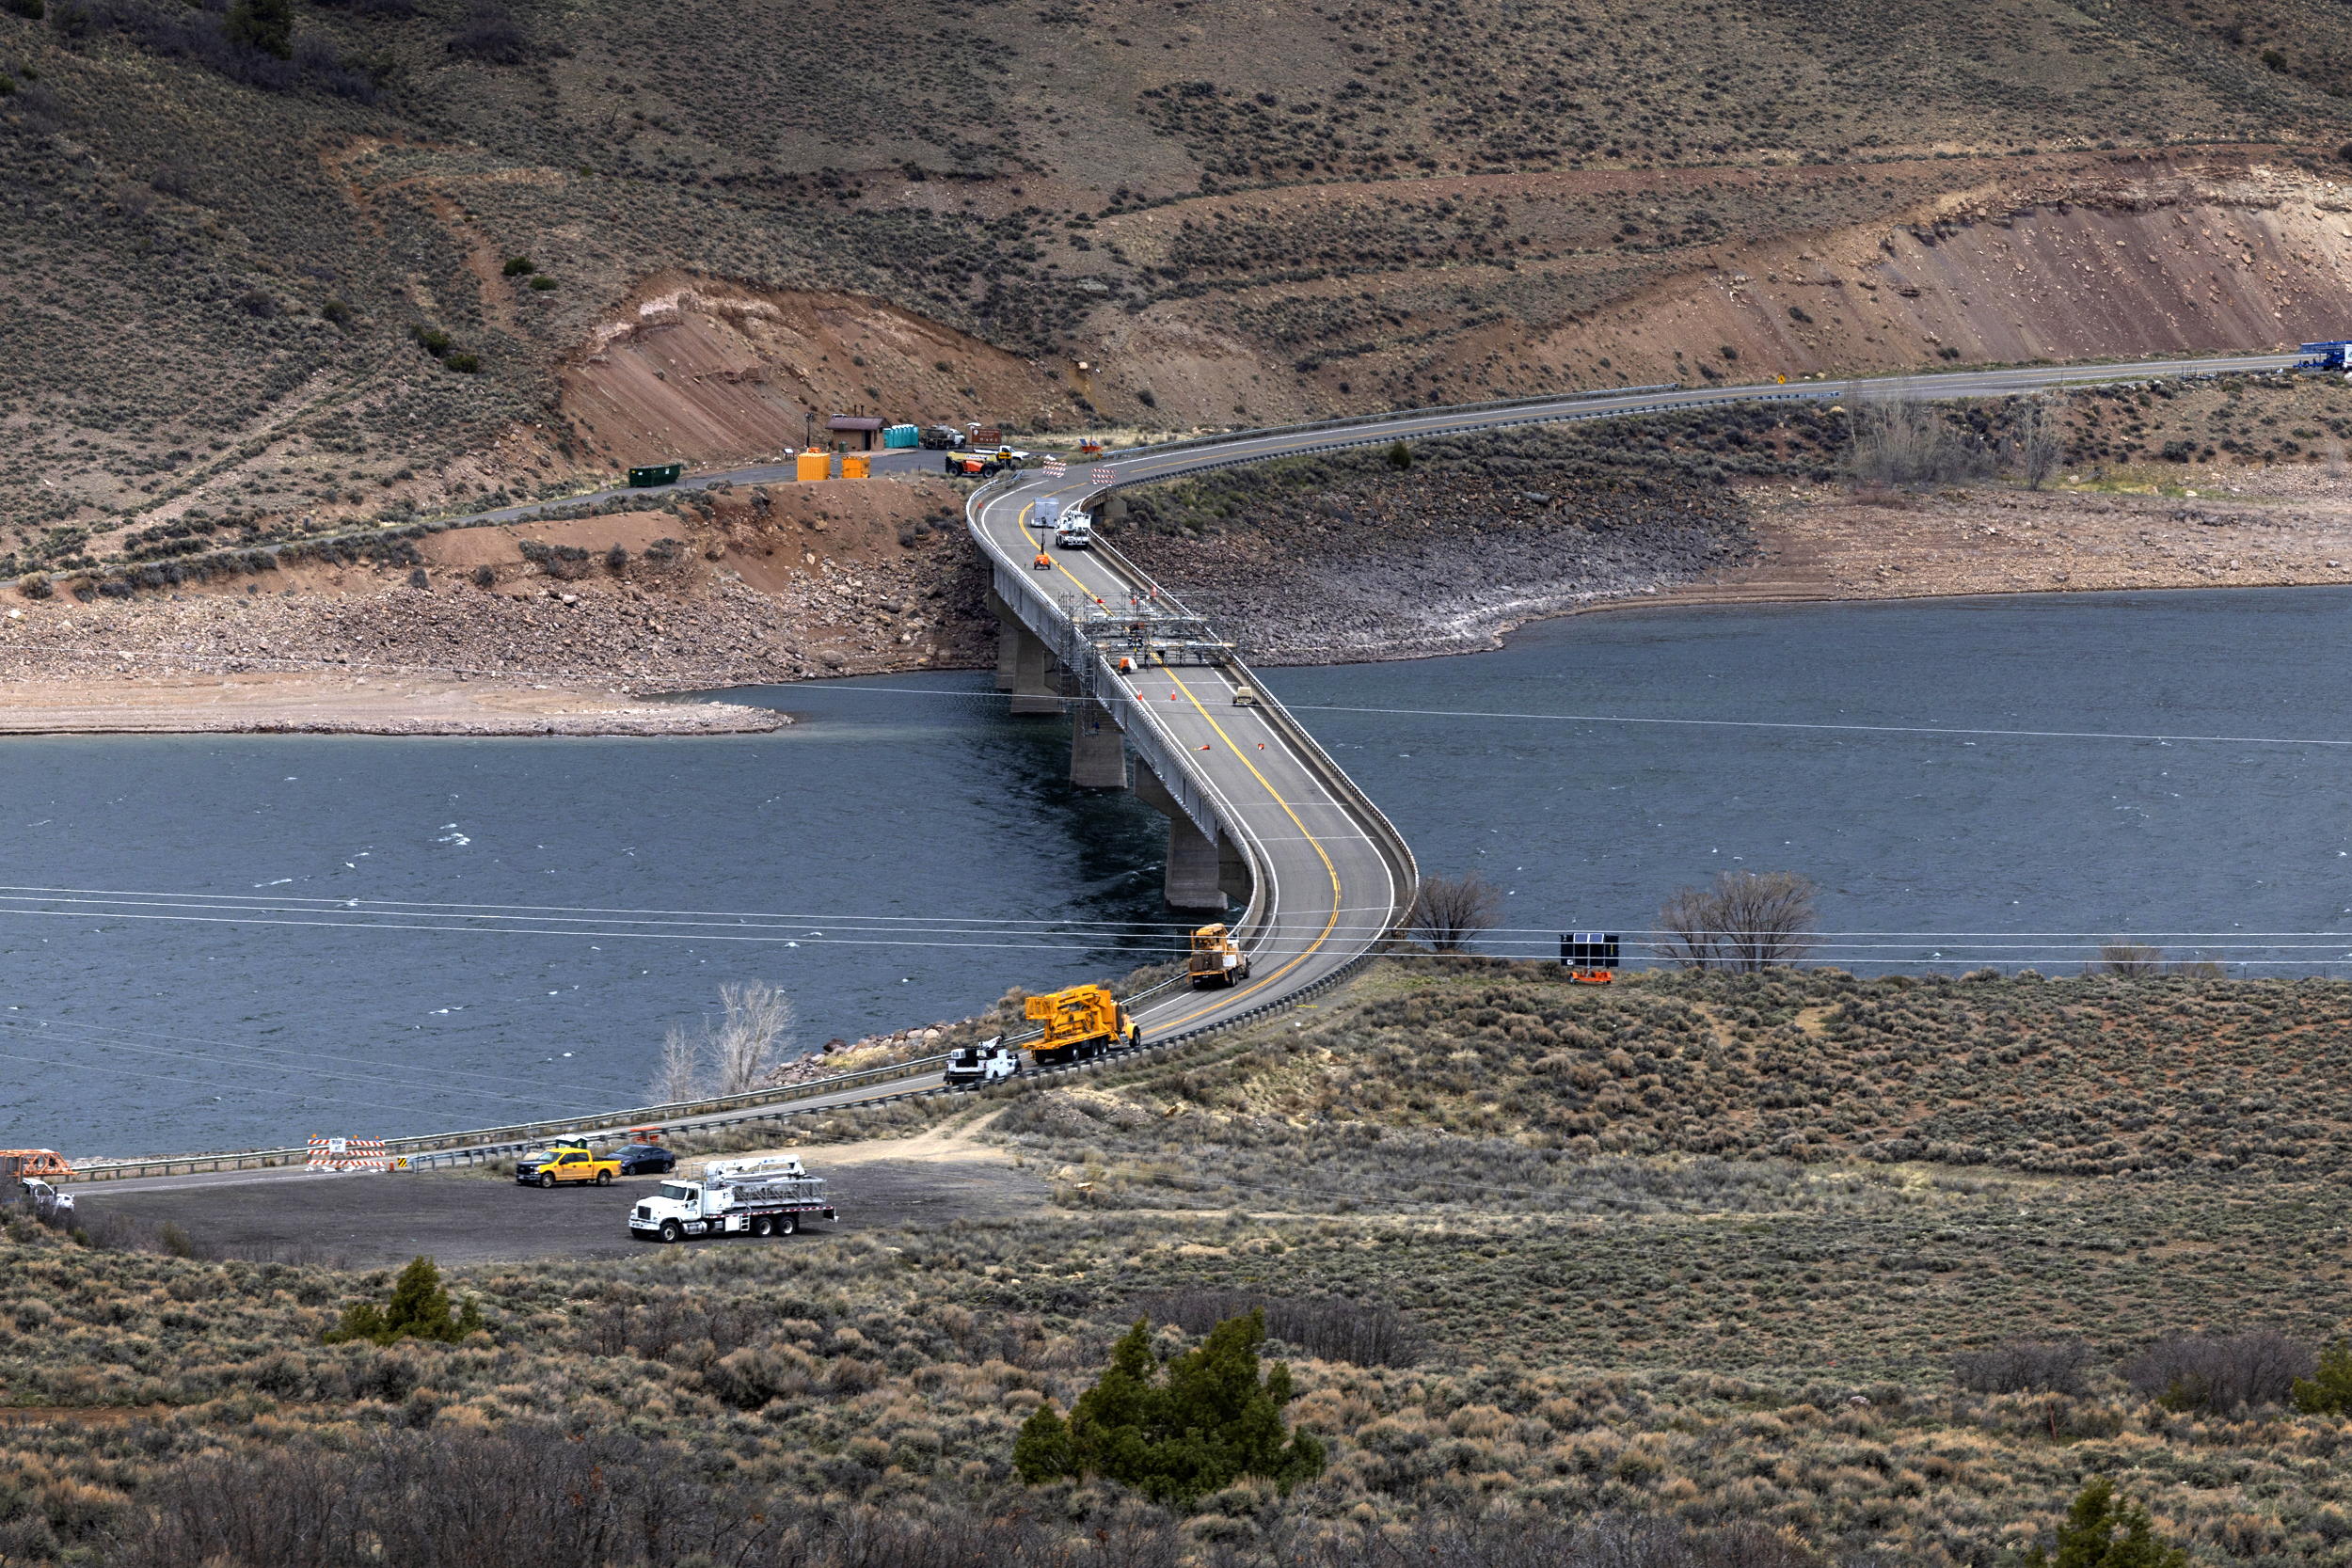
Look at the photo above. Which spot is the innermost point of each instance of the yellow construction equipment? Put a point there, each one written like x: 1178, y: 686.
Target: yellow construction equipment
x: 1217, y: 960
x: 1080, y: 1023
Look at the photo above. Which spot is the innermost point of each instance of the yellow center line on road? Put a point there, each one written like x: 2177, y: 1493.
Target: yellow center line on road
x: 1329, y: 870
x: 1092, y: 597
x: 1331, y: 923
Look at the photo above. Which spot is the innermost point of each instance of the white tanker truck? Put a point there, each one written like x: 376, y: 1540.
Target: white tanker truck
x: 771, y: 1197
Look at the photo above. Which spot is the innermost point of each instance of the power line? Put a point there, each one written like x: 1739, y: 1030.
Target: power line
x: 354, y: 1078
x: 657, y: 935
x: 1012, y: 925
x: 304, y: 1056
x: 1714, y: 723
x: 425, y: 905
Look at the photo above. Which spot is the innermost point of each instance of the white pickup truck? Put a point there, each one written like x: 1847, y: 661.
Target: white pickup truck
x: 1071, y: 529
x: 51, y: 1206
x: 771, y: 1197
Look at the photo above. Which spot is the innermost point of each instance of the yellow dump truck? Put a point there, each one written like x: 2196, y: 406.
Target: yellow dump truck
x: 1080, y: 1023
x: 1216, y: 958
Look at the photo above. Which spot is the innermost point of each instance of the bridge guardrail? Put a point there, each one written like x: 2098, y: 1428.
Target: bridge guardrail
x: 1309, y: 751
x: 518, y: 1135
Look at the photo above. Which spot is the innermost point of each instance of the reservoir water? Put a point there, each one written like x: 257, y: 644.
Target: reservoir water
x: 220, y: 942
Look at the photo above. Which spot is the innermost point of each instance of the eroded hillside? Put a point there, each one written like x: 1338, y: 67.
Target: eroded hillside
x: 334, y: 281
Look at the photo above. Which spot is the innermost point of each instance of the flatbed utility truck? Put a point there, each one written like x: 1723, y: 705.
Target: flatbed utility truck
x: 1081, y: 1022
x: 1216, y: 958
x: 768, y: 1197
x: 51, y: 1206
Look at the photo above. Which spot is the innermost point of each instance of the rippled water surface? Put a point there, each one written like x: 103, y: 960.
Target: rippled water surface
x: 131, y: 1026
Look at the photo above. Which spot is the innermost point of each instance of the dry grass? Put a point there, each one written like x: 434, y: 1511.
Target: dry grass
x: 1658, y: 1335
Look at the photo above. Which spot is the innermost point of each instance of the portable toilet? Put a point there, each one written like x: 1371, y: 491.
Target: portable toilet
x: 813, y: 465
x: 855, y: 464
x: 901, y: 435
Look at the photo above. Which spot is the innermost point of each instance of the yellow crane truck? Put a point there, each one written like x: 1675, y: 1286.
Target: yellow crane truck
x: 1216, y: 958
x: 1081, y: 1022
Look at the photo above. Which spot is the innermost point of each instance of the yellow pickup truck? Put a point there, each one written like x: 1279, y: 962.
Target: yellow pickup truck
x: 565, y: 1162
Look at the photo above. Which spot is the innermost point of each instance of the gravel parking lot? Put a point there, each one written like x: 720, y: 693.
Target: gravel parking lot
x: 367, y: 1221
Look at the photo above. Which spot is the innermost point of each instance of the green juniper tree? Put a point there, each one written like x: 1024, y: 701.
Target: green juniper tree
x: 2100, y: 1533
x: 419, y: 1310
x: 263, y: 25
x: 2329, y: 1392
x: 1181, y: 1436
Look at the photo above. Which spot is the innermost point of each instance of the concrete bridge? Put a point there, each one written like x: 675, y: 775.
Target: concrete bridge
x: 1259, y: 817
x: 1264, y: 831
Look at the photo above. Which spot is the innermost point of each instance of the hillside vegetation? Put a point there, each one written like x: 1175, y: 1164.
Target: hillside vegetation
x: 333, y: 267
x: 1533, y: 1252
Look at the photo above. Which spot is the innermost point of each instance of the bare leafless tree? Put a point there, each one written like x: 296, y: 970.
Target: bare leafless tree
x: 1907, y: 440
x: 1450, y: 910
x: 1749, y: 920
x: 754, y: 1033
x: 677, y: 1075
x: 2129, y: 960
x: 2039, y: 438
x: 757, y: 1028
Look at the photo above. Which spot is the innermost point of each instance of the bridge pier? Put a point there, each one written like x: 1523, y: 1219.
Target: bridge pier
x: 1194, y: 861
x: 1008, y: 648
x: 1024, y: 665
x: 1098, y: 754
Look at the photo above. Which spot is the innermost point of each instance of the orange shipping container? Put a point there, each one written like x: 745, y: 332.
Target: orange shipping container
x: 814, y: 465
x: 854, y: 465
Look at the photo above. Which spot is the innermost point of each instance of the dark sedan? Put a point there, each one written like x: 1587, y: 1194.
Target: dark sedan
x: 647, y: 1160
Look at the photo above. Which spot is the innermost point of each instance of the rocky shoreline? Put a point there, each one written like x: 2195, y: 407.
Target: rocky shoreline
x: 1353, y: 573
x: 1384, y: 569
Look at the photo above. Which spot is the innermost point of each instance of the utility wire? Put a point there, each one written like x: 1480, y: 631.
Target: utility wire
x: 355, y: 1078
x: 1016, y: 925
x: 1709, y: 724
x: 423, y: 906
x: 305, y: 1058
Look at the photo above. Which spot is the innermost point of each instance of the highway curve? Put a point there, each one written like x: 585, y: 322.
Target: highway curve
x: 1332, y: 876
x: 1328, y: 893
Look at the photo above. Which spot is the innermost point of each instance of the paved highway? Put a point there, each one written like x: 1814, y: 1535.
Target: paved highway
x: 1329, y: 890
x: 1161, y: 463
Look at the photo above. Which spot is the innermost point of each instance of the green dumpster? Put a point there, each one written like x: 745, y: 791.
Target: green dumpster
x: 664, y: 473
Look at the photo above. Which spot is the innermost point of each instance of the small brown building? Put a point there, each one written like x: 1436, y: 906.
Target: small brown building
x: 865, y: 428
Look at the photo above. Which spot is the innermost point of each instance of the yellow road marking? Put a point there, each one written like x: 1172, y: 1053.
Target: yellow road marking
x: 1022, y: 523
x: 1329, y: 870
